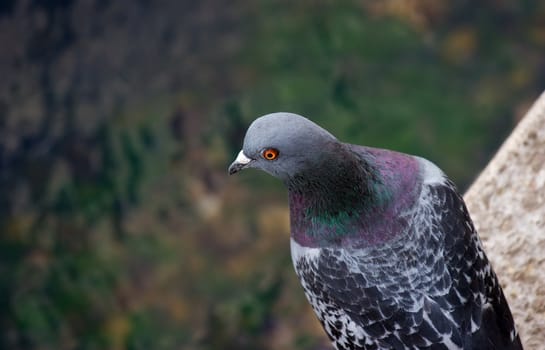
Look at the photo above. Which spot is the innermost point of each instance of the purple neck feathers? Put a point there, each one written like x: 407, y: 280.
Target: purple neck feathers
x: 372, y: 211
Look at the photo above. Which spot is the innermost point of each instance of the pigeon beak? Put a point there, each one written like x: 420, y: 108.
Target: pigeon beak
x: 240, y: 163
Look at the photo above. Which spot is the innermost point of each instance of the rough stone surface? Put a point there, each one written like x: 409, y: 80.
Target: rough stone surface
x: 507, y: 203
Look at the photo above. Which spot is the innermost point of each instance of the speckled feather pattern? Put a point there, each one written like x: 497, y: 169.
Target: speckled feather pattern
x: 429, y: 285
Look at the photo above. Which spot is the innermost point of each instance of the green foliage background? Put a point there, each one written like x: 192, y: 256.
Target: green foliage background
x: 119, y: 227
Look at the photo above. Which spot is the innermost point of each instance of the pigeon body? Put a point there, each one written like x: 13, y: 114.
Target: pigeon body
x: 382, y: 243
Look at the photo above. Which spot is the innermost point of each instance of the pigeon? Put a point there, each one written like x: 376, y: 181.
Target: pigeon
x: 381, y: 241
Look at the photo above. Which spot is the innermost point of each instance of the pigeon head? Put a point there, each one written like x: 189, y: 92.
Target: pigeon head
x: 283, y: 145
x: 332, y: 186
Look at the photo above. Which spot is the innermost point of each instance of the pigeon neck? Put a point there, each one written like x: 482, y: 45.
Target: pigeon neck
x: 342, y: 187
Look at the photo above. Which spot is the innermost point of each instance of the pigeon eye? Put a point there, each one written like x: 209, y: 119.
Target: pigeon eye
x: 270, y: 154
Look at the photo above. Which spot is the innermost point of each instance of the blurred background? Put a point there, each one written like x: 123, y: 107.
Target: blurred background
x: 119, y: 227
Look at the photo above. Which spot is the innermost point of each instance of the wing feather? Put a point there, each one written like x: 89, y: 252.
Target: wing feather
x: 433, y: 287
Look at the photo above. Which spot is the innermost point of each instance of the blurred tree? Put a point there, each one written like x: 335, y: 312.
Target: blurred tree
x: 119, y: 228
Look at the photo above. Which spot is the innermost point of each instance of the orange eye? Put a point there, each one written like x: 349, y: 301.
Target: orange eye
x: 270, y: 154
